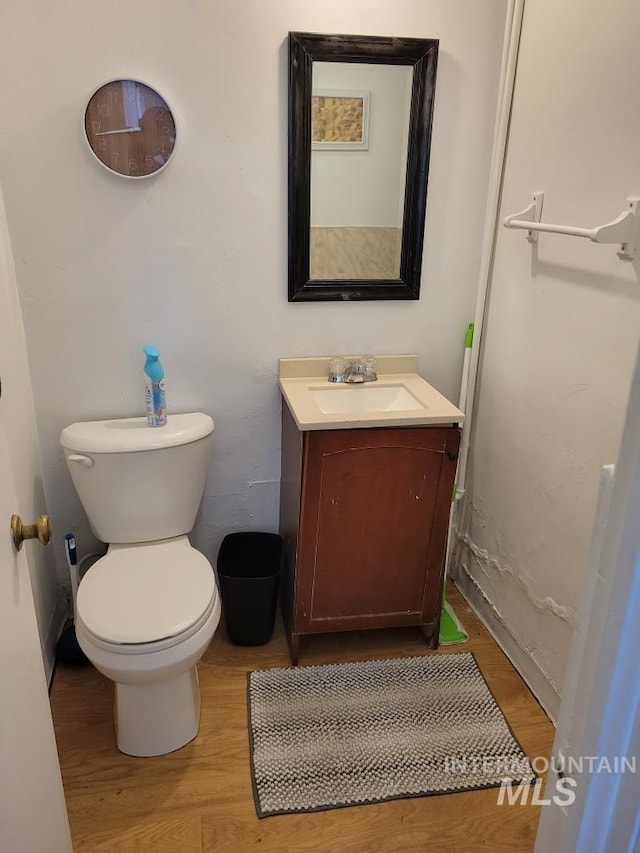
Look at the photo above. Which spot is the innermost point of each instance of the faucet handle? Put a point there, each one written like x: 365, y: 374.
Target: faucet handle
x: 369, y: 363
x: 337, y: 366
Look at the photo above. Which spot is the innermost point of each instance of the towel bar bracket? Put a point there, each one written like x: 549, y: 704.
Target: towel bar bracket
x: 531, y: 215
x: 629, y: 248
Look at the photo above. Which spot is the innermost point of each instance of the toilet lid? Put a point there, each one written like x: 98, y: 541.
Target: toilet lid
x: 145, y: 593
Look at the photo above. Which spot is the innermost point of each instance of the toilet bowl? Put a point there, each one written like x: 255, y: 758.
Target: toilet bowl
x: 147, y: 611
x: 145, y: 615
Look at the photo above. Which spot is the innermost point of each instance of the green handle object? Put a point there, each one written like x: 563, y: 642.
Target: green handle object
x: 468, y: 337
x: 468, y: 343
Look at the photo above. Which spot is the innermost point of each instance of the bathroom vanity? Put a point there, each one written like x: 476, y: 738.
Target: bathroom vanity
x: 366, y: 488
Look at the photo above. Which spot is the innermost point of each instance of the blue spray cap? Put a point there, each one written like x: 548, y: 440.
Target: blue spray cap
x: 152, y: 366
x: 151, y: 352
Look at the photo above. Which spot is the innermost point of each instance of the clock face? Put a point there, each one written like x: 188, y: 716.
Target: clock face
x: 130, y: 128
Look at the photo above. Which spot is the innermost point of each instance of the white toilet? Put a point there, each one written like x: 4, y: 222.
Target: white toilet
x: 148, y: 609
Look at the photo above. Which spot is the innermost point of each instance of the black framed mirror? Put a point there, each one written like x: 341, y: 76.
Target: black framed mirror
x: 360, y: 115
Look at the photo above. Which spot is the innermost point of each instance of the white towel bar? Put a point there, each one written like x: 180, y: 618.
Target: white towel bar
x: 624, y: 230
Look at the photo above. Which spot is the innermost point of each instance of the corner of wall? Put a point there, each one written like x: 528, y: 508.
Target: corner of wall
x: 52, y: 634
x: 471, y: 574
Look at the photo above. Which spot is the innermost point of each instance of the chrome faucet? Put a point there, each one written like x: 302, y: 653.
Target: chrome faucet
x: 356, y: 371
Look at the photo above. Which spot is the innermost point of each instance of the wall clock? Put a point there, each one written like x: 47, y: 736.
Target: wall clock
x: 130, y: 128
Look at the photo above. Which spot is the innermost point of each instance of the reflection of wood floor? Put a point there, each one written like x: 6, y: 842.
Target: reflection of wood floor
x: 355, y: 252
x: 199, y: 798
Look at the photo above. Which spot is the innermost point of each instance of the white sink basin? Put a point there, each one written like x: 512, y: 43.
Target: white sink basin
x: 351, y: 400
x: 398, y: 398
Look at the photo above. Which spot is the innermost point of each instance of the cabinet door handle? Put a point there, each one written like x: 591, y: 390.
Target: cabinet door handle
x: 452, y: 455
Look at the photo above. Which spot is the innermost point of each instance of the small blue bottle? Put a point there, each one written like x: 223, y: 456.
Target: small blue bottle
x: 154, y: 388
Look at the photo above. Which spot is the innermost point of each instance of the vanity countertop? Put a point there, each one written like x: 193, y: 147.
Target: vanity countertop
x: 399, y: 397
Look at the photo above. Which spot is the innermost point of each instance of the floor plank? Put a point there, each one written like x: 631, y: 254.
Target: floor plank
x: 199, y: 799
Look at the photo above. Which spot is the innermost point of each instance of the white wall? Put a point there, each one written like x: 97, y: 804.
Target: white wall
x: 194, y: 260
x: 364, y: 187
x: 561, y: 335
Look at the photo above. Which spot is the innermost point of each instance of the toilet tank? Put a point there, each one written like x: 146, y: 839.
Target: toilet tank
x: 139, y: 483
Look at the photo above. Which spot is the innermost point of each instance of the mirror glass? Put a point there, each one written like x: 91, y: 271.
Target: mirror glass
x: 360, y: 114
x: 359, y: 134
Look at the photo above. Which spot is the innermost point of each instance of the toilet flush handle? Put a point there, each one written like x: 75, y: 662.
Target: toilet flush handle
x: 81, y: 459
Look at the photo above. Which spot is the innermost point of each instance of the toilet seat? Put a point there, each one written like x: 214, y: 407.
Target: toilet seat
x: 147, y: 597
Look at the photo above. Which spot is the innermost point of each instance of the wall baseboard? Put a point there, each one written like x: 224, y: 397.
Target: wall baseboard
x: 58, y: 618
x: 528, y: 669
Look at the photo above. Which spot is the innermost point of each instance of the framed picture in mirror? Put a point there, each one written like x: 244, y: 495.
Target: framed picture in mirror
x: 339, y: 120
x: 360, y: 118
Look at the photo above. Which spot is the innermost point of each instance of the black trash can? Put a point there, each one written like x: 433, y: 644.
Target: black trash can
x: 249, y: 567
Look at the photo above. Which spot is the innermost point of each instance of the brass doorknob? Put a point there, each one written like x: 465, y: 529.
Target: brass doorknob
x: 40, y: 530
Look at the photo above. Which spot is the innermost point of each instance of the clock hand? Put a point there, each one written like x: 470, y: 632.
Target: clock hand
x: 123, y: 130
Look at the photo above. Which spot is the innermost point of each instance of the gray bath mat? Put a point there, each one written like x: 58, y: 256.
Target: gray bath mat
x: 323, y: 737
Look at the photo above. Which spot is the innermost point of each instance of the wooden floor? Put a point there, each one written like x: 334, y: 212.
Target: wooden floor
x: 200, y: 798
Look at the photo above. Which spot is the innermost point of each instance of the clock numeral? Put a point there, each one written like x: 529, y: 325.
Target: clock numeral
x: 159, y: 113
x: 95, y: 126
x: 148, y: 162
x: 116, y: 156
x: 165, y: 132
x: 103, y: 109
x: 102, y: 145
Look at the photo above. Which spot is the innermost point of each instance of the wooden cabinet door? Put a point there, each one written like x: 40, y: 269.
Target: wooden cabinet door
x: 374, y: 518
